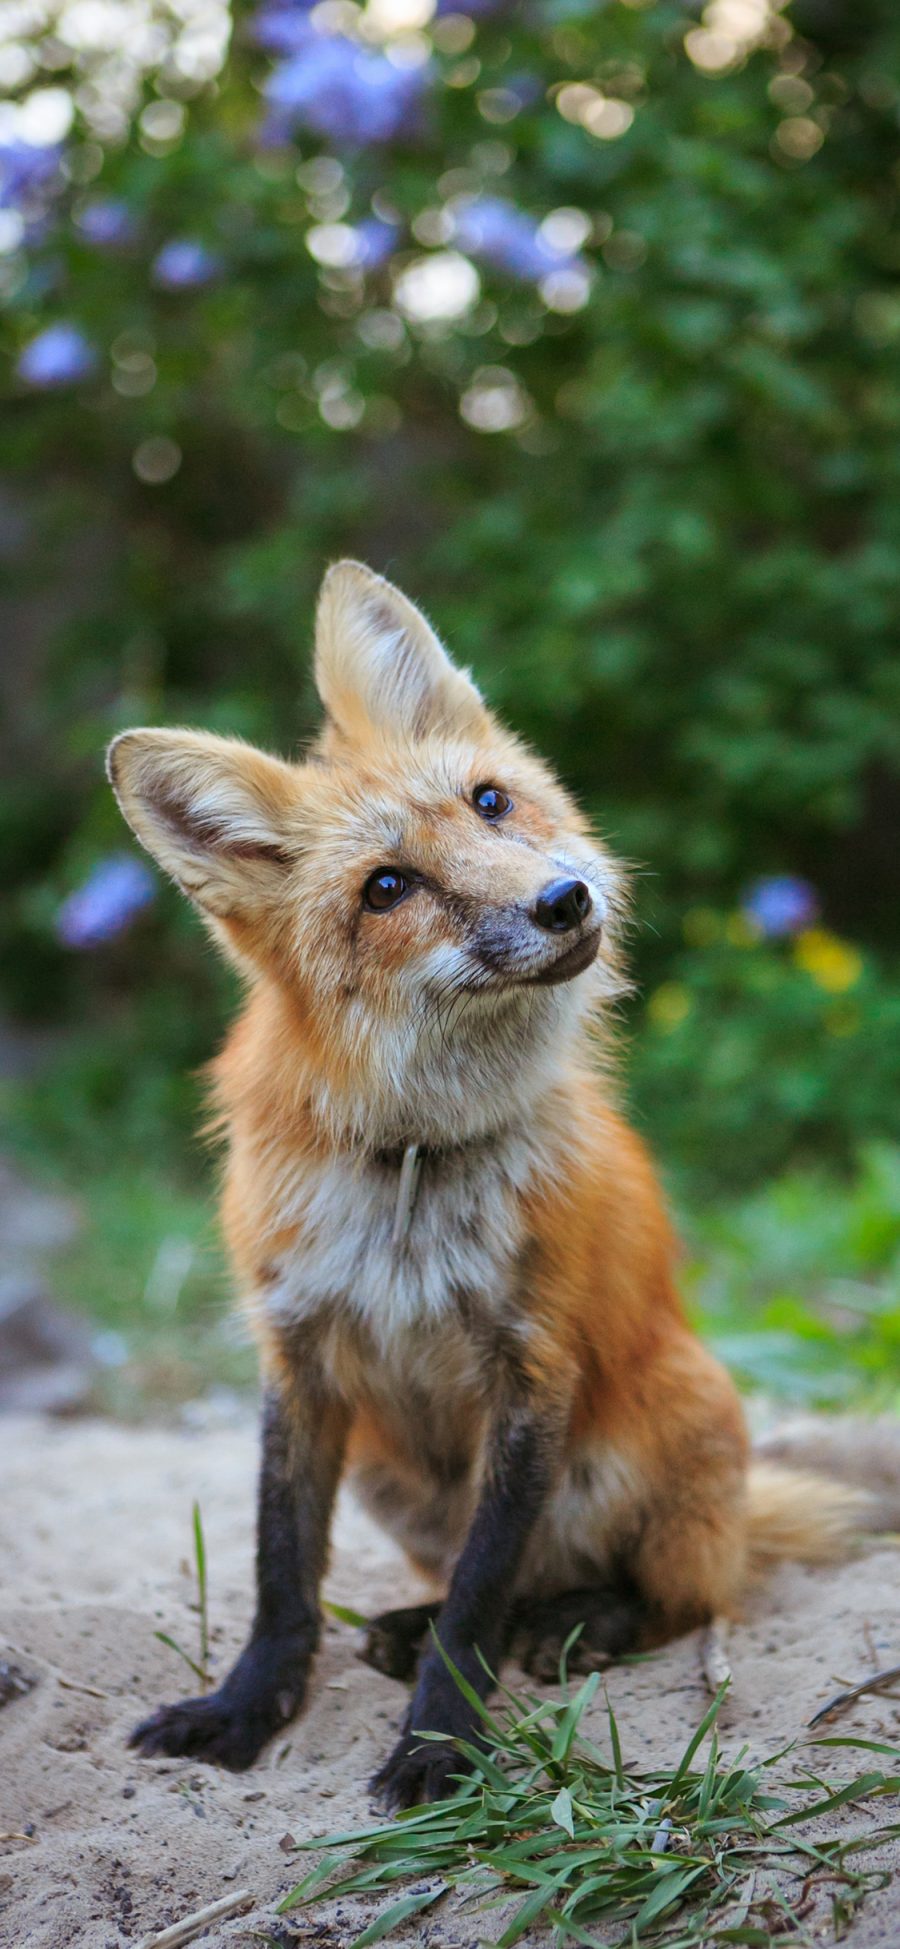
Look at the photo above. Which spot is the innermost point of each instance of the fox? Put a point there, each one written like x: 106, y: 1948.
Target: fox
x: 450, y: 1245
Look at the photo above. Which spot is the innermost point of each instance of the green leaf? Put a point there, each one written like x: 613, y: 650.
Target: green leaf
x: 197, y: 1670
x: 345, y: 1615
x: 561, y: 1811
x: 572, y: 1716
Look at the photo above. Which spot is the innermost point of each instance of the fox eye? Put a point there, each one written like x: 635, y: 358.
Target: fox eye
x: 491, y: 802
x: 384, y: 888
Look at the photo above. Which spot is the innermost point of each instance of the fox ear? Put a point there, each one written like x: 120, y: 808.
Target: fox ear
x: 215, y: 813
x: 379, y: 663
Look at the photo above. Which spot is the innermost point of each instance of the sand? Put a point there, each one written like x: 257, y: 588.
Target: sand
x: 101, y: 1849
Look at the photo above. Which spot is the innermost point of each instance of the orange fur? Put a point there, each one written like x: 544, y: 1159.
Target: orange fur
x: 363, y: 1032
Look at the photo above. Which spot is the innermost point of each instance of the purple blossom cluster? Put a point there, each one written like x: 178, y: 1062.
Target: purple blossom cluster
x: 106, y: 222
x: 282, y: 26
x: 60, y: 355
x: 781, y: 905
x: 112, y: 896
x: 376, y: 241
x: 338, y: 90
x: 183, y: 264
x: 28, y: 175
x: 507, y: 239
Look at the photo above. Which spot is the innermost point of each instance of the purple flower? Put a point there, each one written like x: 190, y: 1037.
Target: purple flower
x: 781, y: 905
x: 113, y: 894
x: 107, y: 222
x: 26, y: 173
x: 506, y: 238
x: 184, y: 265
x: 282, y: 26
x: 375, y: 239
x: 59, y: 356
x: 342, y: 92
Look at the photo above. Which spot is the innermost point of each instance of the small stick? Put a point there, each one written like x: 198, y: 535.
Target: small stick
x: 191, y: 1925
x: 878, y: 1682
x: 71, y: 1684
x: 75, y: 1685
x: 714, y: 1656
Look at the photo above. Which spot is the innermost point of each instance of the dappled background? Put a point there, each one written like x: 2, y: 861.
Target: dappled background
x: 582, y: 322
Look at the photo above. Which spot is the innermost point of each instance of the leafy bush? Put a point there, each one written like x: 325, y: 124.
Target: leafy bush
x: 754, y: 1055
x: 797, y: 1287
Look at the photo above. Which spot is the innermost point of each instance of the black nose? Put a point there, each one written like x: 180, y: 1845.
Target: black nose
x: 562, y: 905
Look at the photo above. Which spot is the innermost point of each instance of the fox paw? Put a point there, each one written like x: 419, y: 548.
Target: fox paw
x: 541, y: 1657
x: 394, y: 1639
x: 217, y: 1729
x: 418, y: 1771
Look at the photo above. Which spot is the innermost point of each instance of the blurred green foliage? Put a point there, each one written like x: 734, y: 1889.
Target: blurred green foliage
x: 752, y: 1056
x: 673, y: 563
x: 797, y: 1287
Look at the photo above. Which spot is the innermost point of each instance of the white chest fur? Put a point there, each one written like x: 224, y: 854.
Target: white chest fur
x: 460, y: 1244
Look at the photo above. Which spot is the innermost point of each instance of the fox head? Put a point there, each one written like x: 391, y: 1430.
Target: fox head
x: 419, y: 891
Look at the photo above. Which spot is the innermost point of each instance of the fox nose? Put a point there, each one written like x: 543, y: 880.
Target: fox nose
x: 562, y: 905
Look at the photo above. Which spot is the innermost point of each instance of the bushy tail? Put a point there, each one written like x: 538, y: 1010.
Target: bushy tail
x: 815, y: 1488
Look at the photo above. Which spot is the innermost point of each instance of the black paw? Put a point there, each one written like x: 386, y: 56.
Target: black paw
x: 419, y: 1770
x: 393, y: 1639
x: 230, y: 1727
x: 609, y: 1621
x: 540, y: 1657
x: 216, y: 1728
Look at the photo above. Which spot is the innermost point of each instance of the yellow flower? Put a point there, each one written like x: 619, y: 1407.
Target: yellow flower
x: 833, y: 964
x: 668, y: 1007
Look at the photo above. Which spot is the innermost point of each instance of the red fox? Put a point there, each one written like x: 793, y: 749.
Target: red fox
x: 450, y: 1245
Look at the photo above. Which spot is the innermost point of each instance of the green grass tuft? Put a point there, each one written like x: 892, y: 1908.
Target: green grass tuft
x: 709, y: 1851
x: 200, y: 1665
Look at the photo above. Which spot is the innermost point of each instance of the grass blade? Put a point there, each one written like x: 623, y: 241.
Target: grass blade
x: 392, y: 1917
x: 202, y: 1592
x: 197, y: 1670
x: 344, y: 1615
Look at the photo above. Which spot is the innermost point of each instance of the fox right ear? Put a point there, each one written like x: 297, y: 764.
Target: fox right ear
x: 220, y: 817
x: 380, y: 665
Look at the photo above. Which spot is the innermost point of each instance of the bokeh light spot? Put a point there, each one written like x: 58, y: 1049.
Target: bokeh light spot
x: 156, y: 460
x: 445, y: 285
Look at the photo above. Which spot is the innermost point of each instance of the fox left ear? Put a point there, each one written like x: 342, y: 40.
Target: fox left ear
x: 379, y: 663
x: 220, y: 817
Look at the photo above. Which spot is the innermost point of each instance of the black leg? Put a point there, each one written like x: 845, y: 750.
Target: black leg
x: 613, y: 1621
x: 394, y: 1639
x: 301, y: 1457
x: 475, y: 1616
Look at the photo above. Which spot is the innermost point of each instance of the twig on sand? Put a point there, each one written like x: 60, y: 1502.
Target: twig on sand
x: 69, y: 1684
x: 75, y: 1685
x: 879, y: 1682
x: 714, y: 1655
x: 191, y: 1925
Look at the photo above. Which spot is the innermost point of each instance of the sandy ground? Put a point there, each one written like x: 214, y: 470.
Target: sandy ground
x: 100, y: 1849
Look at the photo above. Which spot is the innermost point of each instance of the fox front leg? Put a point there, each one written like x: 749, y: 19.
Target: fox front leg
x: 475, y: 1615
x: 302, y: 1452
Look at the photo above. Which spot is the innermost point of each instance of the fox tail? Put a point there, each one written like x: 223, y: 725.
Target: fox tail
x: 815, y: 1488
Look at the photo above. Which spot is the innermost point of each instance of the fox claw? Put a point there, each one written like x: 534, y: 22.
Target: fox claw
x: 417, y: 1771
x: 205, y: 1729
